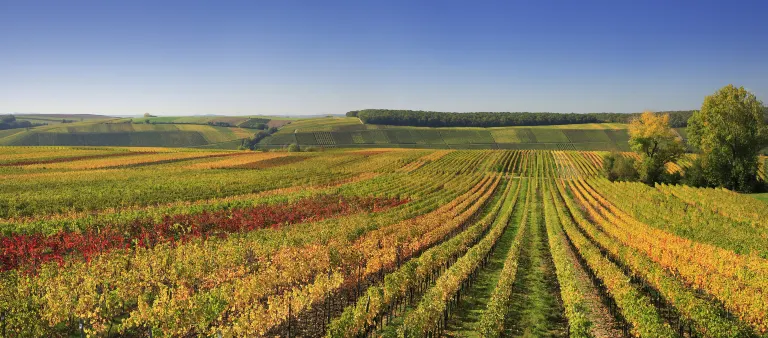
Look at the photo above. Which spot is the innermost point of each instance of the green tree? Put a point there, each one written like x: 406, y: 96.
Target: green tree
x: 729, y: 130
x: 656, y: 143
x: 617, y: 167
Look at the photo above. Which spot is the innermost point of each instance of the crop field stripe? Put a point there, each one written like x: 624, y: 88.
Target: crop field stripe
x: 270, y: 318
x: 496, y: 296
x: 681, y: 305
x: 632, y: 305
x: 401, y: 287
x: 534, y: 305
x: 471, y: 302
x: 38, y: 249
x: 723, y: 202
x: 170, y: 320
x: 693, y: 264
x: 588, y: 315
x: 433, y: 310
x: 83, y: 221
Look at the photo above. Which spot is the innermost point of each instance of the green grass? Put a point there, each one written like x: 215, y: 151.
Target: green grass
x: 9, y: 132
x: 761, y: 196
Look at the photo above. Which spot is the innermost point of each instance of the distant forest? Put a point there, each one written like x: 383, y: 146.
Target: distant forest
x: 10, y: 122
x: 419, y: 118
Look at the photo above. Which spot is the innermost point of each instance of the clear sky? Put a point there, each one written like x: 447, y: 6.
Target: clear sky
x: 311, y: 57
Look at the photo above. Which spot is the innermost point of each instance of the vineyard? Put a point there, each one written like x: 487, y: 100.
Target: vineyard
x: 377, y: 242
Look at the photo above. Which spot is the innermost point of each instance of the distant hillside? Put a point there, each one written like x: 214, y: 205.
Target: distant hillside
x: 60, y: 118
x: 211, y: 132
x: 215, y: 120
x: 101, y: 133
x: 416, y: 118
x: 350, y: 132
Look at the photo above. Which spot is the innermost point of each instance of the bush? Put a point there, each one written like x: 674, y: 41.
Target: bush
x: 10, y: 122
x: 294, y: 148
x: 617, y: 167
x: 694, y: 175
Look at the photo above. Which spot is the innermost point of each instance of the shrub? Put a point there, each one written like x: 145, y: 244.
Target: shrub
x: 617, y: 167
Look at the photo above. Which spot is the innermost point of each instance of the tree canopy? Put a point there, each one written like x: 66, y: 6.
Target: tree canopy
x: 10, y: 122
x: 496, y: 119
x: 652, y: 138
x: 730, y: 131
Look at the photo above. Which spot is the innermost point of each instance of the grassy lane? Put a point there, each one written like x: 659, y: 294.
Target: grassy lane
x: 472, y: 304
x: 603, y: 323
x: 390, y: 326
x: 536, y: 310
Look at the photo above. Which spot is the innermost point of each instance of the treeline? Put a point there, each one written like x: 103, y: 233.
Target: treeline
x: 251, y: 142
x: 419, y: 118
x: 10, y: 122
x: 255, y: 123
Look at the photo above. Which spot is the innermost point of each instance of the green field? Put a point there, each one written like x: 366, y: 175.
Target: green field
x: 97, y: 133
x: 50, y: 119
x: 348, y: 132
x: 319, y: 124
x: 762, y: 197
x: 198, y: 131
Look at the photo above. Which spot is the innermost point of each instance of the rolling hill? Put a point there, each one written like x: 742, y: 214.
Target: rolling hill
x: 227, y: 132
x: 350, y: 132
x: 118, y: 133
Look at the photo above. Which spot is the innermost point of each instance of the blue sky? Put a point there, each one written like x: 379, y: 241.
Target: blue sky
x: 311, y: 57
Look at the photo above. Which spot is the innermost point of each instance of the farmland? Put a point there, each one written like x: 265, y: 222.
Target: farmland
x: 116, y: 133
x: 146, y: 241
x: 228, y: 132
x: 350, y: 133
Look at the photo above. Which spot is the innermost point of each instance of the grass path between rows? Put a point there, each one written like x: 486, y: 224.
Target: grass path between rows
x: 536, y: 309
x: 464, y: 321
